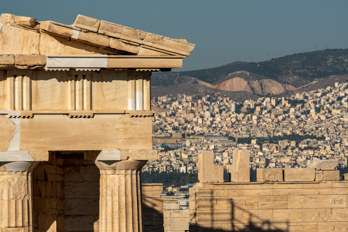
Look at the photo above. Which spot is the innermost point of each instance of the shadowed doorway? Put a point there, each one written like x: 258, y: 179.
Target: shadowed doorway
x: 66, y: 194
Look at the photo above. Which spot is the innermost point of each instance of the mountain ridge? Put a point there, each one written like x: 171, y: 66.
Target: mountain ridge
x: 283, y: 75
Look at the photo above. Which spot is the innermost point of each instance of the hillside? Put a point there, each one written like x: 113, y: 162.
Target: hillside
x: 277, y: 76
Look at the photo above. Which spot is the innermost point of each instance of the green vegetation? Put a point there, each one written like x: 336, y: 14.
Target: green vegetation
x: 276, y: 139
x: 169, y: 178
x: 295, y: 102
x: 177, y: 179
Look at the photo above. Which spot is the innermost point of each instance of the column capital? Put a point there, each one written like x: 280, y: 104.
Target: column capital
x: 16, y: 161
x: 121, y: 164
x: 17, y: 166
x: 124, y: 154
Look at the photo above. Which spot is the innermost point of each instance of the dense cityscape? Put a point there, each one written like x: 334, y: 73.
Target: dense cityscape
x: 279, y: 132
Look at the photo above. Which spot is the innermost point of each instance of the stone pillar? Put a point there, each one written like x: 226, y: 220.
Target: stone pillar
x: 240, y: 166
x: 16, y: 196
x: 208, y: 172
x: 120, y: 195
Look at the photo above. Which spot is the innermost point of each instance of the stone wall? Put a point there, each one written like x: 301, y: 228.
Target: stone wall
x: 282, y: 206
x: 48, y: 195
x: 163, y: 213
x: 174, y: 218
x: 152, y: 207
x: 66, y: 194
x: 81, y: 194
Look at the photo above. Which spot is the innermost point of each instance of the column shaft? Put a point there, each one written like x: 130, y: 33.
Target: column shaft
x: 131, y: 93
x: 120, y: 196
x: 147, y: 93
x: 16, y: 196
x: 139, y: 94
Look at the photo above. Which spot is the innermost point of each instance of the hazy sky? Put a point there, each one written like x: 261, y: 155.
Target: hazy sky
x: 223, y: 30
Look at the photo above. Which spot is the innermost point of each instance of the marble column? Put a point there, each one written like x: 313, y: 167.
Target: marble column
x: 16, y: 196
x: 120, y: 196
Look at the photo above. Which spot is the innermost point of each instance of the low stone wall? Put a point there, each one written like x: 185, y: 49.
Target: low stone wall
x: 279, y: 206
x: 152, y: 207
x: 175, y: 219
x: 162, y: 214
x: 296, y: 174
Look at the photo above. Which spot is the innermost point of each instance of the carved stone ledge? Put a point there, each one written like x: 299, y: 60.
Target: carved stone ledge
x: 140, y: 113
x: 81, y: 115
x: 22, y: 61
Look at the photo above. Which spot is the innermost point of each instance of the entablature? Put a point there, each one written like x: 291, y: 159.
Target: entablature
x: 26, y: 114
x: 89, y: 62
x: 74, y: 91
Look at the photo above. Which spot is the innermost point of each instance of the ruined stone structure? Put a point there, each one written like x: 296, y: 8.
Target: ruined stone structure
x: 76, y: 122
x: 278, y: 206
x: 205, y: 161
x: 282, y: 200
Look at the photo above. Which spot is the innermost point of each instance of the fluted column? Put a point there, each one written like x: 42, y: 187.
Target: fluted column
x: 120, y: 196
x: 16, y: 196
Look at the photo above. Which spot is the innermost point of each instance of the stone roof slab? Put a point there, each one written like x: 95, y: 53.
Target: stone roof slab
x: 25, y: 37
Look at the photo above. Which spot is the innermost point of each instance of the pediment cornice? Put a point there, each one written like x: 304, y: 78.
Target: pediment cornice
x: 116, y: 39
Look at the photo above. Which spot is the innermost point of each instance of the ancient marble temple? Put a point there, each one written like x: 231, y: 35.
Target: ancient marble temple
x: 76, y: 122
